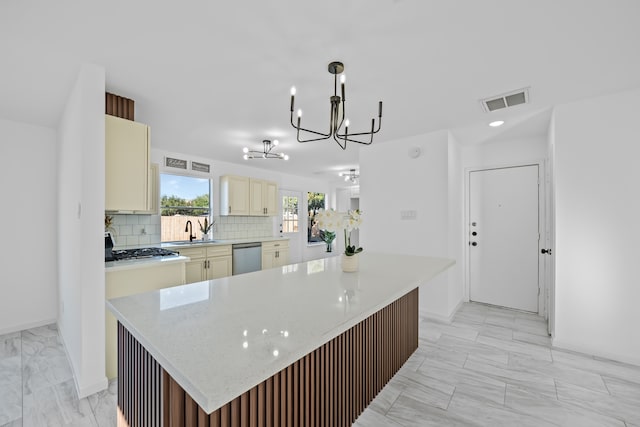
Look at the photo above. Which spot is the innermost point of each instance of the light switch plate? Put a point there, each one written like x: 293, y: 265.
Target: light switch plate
x: 408, y: 215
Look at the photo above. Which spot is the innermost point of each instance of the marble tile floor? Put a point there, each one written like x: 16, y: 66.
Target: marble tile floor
x: 496, y: 367
x: 37, y: 386
x: 488, y: 367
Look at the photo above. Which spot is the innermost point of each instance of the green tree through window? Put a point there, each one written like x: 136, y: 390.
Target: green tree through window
x: 315, y: 202
x: 182, y: 199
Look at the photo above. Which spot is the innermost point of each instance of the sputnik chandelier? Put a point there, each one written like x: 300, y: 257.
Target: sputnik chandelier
x: 337, y: 117
x: 350, y: 176
x: 266, y: 153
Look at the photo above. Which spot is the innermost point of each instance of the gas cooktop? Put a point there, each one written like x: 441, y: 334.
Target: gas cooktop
x: 118, y: 255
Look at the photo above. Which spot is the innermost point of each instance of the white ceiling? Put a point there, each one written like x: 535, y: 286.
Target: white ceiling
x: 211, y: 77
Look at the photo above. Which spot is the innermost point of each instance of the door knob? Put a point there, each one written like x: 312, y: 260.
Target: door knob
x: 474, y: 233
x: 545, y: 251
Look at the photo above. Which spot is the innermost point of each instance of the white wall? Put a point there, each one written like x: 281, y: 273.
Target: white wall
x: 80, y: 226
x: 29, y: 218
x: 285, y: 182
x: 455, y: 224
x: 503, y: 153
x: 391, y: 182
x: 597, y: 226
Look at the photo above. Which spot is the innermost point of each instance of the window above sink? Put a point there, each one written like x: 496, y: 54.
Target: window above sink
x: 183, y: 198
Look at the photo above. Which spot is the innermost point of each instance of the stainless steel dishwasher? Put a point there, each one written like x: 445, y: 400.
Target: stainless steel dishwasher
x: 247, y: 257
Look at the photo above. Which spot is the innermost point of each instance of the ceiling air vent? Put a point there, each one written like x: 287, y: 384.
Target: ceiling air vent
x: 175, y: 163
x: 509, y: 99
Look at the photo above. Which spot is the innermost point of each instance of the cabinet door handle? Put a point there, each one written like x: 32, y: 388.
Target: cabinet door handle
x: 229, y: 208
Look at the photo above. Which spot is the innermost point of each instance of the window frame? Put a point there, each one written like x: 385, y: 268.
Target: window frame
x: 310, y: 224
x: 194, y: 218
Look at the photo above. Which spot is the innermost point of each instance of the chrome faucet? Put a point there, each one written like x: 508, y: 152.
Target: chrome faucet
x: 189, y: 228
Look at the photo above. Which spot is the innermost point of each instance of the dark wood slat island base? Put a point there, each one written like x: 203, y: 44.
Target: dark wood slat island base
x: 330, y: 386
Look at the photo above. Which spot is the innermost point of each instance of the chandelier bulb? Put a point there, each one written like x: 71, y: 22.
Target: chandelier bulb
x: 246, y: 157
x: 343, y: 78
x: 299, y: 113
x: 346, y: 123
x: 245, y: 150
x: 293, y: 90
x: 275, y: 142
x: 286, y: 157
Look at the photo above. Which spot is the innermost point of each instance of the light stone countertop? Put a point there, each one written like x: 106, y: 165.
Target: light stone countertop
x: 129, y: 264
x: 220, y: 338
x: 172, y: 246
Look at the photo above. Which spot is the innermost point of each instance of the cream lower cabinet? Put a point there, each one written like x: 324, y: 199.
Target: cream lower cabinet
x: 207, y: 262
x: 275, y: 254
x: 120, y: 283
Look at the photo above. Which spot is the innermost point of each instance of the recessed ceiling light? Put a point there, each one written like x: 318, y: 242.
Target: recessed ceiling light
x: 496, y: 123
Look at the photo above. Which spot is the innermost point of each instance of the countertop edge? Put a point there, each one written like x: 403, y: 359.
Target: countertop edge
x: 112, y: 266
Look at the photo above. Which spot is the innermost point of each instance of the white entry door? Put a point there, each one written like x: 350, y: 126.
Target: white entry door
x: 504, y: 236
x: 290, y: 223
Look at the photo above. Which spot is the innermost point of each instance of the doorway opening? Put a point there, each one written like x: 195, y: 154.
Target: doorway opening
x: 505, y: 223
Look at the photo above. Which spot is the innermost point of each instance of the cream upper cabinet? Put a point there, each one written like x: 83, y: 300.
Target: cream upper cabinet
x: 270, y: 198
x: 127, y: 151
x: 234, y: 195
x: 256, y: 197
x: 248, y: 196
x: 153, y: 197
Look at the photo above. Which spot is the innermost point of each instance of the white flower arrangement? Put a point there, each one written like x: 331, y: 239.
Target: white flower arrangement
x: 330, y: 221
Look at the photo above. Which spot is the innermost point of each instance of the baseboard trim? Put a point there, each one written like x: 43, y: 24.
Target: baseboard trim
x: 90, y: 389
x: 440, y: 318
x: 25, y: 326
x: 86, y: 389
x: 594, y: 352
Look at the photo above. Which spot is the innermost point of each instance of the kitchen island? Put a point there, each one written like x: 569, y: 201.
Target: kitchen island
x: 304, y: 344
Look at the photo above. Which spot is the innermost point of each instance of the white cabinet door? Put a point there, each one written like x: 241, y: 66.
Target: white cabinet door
x: 195, y: 271
x: 257, y: 194
x: 271, y: 198
x: 218, y: 267
x: 234, y: 195
x: 126, y: 165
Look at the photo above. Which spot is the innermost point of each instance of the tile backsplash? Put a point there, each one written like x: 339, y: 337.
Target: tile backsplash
x: 136, y: 230
x: 144, y: 230
x: 242, y: 227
